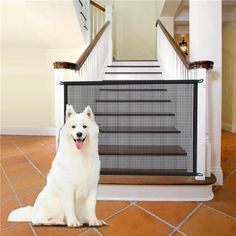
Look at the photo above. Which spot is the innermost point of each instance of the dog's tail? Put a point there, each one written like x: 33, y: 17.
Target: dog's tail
x: 21, y: 214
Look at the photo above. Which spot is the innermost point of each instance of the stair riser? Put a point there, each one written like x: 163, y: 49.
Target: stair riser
x: 139, y: 139
x: 147, y: 162
x: 133, y: 77
x: 159, y: 95
x: 133, y: 69
x: 136, y: 121
x: 134, y: 107
x: 134, y: 63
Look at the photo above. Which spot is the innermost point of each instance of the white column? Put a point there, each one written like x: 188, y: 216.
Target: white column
x: 206, y: 44
x: 108, y: 17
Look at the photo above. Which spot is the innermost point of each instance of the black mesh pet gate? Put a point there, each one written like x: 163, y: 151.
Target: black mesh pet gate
x: 146, y: 127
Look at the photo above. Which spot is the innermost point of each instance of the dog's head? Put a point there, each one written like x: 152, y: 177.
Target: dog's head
x: 81, y: 128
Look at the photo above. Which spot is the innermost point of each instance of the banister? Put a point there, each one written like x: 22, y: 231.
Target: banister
x: 189, y: 65
x: 84, y: 56
x: 97, y: 6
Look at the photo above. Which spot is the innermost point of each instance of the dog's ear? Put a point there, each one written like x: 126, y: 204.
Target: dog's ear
x: 69, y: 111
x: 88, y: 111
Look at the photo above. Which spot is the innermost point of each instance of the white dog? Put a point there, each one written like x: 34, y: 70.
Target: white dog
x: 69, y: 196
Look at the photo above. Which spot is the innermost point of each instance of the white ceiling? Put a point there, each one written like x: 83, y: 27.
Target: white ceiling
x: 41, y: 24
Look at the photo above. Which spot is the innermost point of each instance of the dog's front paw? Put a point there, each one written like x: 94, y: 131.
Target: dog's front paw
x: 95, y: 222
x: 73, y: 223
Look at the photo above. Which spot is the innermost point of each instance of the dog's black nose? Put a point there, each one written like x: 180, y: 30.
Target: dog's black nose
x: 79, y: 134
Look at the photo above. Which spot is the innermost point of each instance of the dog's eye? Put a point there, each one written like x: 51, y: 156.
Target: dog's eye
x: 73, y: 126
x: 84, y: 126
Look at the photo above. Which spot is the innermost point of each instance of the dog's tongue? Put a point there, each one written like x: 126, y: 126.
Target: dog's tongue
x: 79, y: 144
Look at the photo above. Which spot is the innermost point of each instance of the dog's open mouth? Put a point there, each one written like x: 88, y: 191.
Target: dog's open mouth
x: 79, y: 142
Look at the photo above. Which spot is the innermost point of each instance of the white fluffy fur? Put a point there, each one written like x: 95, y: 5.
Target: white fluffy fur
x: 69, y: 196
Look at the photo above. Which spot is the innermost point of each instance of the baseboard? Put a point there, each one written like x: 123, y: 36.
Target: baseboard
x: 155, y: 193
x: 229, y: 127
x: 48, y: 131
x: 217, y: 171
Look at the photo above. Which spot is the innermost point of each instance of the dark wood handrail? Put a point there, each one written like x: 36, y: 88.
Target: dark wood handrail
x: 84, y: 56
x: 97, y: 5
x: 189, y: 65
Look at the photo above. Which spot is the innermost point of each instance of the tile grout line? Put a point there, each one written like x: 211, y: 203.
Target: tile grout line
x: 117, y: 212
x: 223, y: 213
x: 174, y: 231
x: 186, y: 218
x: 84, y: 232
x: 97, y: 231
x: 49, y: 149
x: 32, y: 164
x: 29, y: 190
x: 155, y: 216
x: 17, y: 198
x: 107, y: 218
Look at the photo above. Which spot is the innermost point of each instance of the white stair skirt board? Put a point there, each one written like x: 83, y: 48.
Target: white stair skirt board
x: 133, y: 69
x: 136, y: 63
x: 48, y: 131
x: 133, y: 76
x: 155, y: 192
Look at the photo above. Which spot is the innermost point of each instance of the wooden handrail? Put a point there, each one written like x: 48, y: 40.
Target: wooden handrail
x: 189, y: 65
x: 97, y: 6
x: 84, y: 56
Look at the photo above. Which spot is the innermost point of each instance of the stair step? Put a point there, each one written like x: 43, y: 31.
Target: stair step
x: 133, y: 90
x: 133, y: 68
x: 114, y: 76
x: 136, y: 62
x: 148, y: 66
x: 133, y: 73
x: 138, y: 129
x: 128, y: 101
x: 141, y: 150
x: 113, y: 171
x: 134, y: 114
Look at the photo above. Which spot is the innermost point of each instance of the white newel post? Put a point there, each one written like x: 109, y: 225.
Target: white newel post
x: 108, y: 17
x: 206, y: 44
x: 59, y: 101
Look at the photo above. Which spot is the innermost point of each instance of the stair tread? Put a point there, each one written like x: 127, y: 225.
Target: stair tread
x: 138, y: 129
x: 136, y: 100
x: 135, y: 90
x: 144, y: 73
x: 141, y: 150
x: 134, y: 114
x: 133, y: 66
x: 116, y: 171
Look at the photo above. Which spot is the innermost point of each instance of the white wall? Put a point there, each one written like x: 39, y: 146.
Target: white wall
x: 34, y: 35
x: 28, y: 86
x: 229, y: 77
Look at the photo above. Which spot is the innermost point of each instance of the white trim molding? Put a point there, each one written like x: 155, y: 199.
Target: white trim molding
x: 229, y: 127
x: 155, y: 192
x: 47, y: 131
x: 218, y: 172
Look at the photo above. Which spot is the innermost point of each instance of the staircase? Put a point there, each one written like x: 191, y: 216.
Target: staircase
x: 152, y: 118
x: 138, y: 123
x: 145, y: 123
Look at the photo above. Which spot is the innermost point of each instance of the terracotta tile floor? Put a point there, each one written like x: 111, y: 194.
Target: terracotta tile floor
x: 25, y: 161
